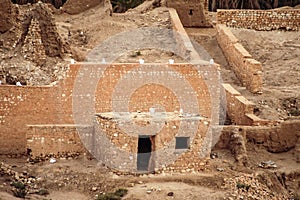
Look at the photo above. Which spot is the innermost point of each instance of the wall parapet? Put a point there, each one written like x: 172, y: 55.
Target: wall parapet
x: 247, y: 69
x: 262, y: 20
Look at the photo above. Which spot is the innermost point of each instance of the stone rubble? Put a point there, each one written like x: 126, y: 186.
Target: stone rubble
x: 247, y: 186
x: 22, y: 182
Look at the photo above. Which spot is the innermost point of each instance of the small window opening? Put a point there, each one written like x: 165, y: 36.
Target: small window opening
x: 191, y: 12
x: 182, y: 142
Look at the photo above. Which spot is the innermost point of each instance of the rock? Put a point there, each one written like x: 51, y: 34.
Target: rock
x: 52, y: 160
x: 268, y: 165
x: 220, y: 169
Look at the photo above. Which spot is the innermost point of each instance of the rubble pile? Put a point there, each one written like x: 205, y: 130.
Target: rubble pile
x: 248, y: 186
x: 62, y: 156
x: 23, y: 183
x: 31, y: 51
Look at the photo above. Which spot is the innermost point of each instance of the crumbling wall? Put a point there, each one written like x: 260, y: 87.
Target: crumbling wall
x: 274, y: 138
x: 247, y: 69
x: 288, y: 19
x: 192, y: 13
x: 182, y: 39
x: 6, y: 11
x: 240, y: 110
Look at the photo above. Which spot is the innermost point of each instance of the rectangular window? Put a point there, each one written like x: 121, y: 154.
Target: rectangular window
x: 182, y: 142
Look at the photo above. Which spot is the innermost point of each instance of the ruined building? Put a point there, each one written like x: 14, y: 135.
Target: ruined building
x: 192, y: 13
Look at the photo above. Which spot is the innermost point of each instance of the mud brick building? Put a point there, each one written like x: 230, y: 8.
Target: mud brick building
x: 192, y: 13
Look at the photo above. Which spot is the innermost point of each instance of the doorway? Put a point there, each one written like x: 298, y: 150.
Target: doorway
x: 145, y: 149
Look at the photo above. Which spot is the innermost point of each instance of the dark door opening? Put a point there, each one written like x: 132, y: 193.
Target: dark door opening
x: 144, y: 152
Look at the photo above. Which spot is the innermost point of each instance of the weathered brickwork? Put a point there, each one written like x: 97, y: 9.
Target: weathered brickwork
x: 44, y: 140
x: 288, y: 19
x: 276, y: 139
x: 183, y: 41
x: 247, y: 69
x: 42, y: 118
x: 192, y: 13
x: 164, y: 155
x: 240, y: 110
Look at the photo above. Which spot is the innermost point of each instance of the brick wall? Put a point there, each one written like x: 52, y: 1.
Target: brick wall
x: 183, y: 41
x: 240, y: 110
x: 288, y: 19
x: 61, y: 139
x: 192, y: 13
x: 247, y: 69
x: 42, y: 118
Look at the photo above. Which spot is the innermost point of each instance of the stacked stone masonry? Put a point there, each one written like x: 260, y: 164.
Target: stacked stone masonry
x: 247, y: 69
x: 43, y: 119
x: 45, y: 140
x: 263, y: 20
x: 240, y: 110
x: 192, y: 13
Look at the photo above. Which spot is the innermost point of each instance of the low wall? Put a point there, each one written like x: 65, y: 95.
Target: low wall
x: 183, y: 41
x: 240, y: 110
x: 275, y: 139
x: 45, y: 140
x: 247, y: 69
x: 288, y: 19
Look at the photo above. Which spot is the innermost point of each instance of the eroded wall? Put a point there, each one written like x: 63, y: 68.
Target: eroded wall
x: 247, y: 69
x: 287, y: 19
x: 192, y: 13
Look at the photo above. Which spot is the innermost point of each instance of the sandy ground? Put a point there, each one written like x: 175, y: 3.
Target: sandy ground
x: 83, y: 178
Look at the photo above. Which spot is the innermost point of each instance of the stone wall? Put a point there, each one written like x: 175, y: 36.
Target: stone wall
x: 193, y: 13
x: 275, y: 139
x: 6, y: 11
x: 43, y: 140
x: 42, y: 118
x: 288, y: 19
x: 247, y: 69
x: 164, y: 155
x: 240, y: 110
